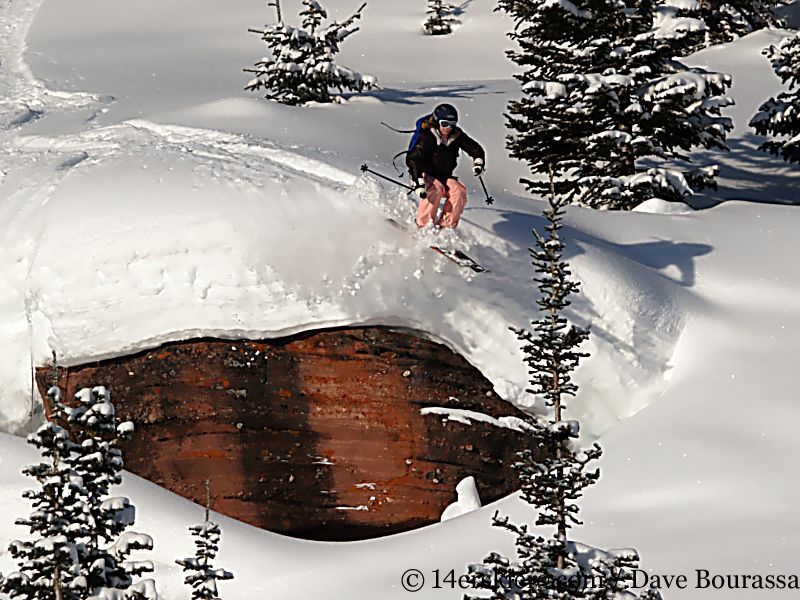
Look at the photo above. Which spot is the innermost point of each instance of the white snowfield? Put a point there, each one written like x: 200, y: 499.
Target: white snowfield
x: 145, y: 198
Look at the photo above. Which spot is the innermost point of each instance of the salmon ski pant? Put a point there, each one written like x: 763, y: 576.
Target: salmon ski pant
x: 455, y: 199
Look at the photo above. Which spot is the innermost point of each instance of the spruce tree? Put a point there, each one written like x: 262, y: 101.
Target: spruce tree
x: 81, y: 549
x: 105, y: 560
x: 779, y: 117
x: 612, y: 576
x: 203, y: 576
x: 726, y: 20
x: 606, y: 107
x: 301, y: 67
x: 441, y: 18
x: 553, y: 484
x: 49, y: 564
x: 548, y: 567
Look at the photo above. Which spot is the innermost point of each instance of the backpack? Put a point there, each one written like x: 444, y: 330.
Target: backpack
x: 416, y: 132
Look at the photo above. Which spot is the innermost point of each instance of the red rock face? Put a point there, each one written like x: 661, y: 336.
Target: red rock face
x: 317, y: 436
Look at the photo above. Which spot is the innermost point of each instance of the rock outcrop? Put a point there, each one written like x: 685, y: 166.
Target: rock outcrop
x: 320, y: 435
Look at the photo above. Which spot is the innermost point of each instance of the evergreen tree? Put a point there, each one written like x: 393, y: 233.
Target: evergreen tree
x: 551, y: 353
x: 606, y: 109
x: 49, y: 565
x: 552, y: 484
x: 441, y: 18
x: 532, y: 577
x: 81, y: 549
x: 548, y: 567
x: 727, y: 20
x: 203, y: 576
x: 612, y: 576
x: 780, y: 117
x: 301, y: 67
x: 105, y: 560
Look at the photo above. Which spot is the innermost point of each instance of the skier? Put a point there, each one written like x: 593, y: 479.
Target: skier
x: 431, y: 162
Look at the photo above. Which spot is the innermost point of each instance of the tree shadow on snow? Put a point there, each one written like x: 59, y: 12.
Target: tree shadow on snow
x: 647, y: 348
x: 750, y: 175
x: 657, y: 254
x: 424, y: 95
x: 459, y: 9
x: 642, y: 345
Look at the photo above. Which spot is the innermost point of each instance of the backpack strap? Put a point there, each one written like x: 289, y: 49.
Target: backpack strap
x: 395, y: 157
x: 398, y: 130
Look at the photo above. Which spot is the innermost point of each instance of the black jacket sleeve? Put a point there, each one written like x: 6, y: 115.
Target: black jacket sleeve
x: 418, y: 159
x: 471, y: 147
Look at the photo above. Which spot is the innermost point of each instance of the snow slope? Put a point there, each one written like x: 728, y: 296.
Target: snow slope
x: 152, y: 200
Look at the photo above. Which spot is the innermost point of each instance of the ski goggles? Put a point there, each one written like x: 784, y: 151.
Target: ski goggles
x: 447, y: 123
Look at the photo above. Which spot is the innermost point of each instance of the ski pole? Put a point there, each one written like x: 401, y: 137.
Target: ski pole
x: 489, y: 199
x: 366, y: 169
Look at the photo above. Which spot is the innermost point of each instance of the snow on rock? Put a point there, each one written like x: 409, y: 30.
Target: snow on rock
x: 467, y: 500
x: 239, y: 237
x: 15, y: 368
x: 467, y: 416
x: 657, y: 206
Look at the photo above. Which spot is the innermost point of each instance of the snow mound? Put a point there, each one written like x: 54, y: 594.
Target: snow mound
x: 467, y: 500
x: 235, y: 236
x: 657, y: 206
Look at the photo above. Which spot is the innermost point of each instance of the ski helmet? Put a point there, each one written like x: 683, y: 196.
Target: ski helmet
x: 445, y: 112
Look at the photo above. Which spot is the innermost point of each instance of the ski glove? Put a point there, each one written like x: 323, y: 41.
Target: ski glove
x: 477, y: 167
x: 419, y: 190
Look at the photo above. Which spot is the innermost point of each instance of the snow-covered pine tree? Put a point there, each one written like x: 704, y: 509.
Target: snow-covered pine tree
x: 554, y: 484
x: 728, y: 19
x: 779, y: 117
x: 203, y: 576
x: 612, y: 575
x: 49, y: 567
x: 606, y: 107
x: 302, y: 65
x: 548, y: 567
x: 105, y: 559
x: 441, y: 18
x: 531, y: 577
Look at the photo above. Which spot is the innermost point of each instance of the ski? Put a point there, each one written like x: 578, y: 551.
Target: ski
x: 457, y: 256
x: 461, y: 259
